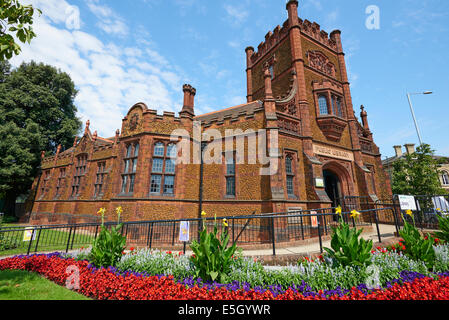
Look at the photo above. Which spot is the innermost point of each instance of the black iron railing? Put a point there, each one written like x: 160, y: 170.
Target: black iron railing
x: 270, y: 230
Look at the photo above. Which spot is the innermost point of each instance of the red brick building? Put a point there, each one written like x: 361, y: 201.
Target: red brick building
x: 297, y: 87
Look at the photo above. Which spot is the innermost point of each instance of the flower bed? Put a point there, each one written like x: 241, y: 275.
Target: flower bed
x: 114, y: 284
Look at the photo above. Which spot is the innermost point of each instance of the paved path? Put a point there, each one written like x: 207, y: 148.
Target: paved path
x: 386, y: 231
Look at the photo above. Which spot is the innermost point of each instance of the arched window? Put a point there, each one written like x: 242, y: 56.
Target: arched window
x: 445, y: 178
x: 290, y: 175
x: 322, y: 103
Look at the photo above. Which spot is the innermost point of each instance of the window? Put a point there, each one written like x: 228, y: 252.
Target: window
x: 80, y: 170
x: 101, y: 173
x: 290, y: 175
x: 129, y: 172
x: 271, y: 69
x: 336, y: 106
x: 322, y: 103
x: 163, y: 169
x: 60, y: 181
x: 230, y: 176
x: 445, y: 178
x: 44, y: 183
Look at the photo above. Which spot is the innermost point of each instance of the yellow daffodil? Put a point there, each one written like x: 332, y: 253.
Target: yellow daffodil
x: 409, y: 212
x: 355, y: 214
x: 338, y: 210
x: 203, y: 213
x: 225, y: 222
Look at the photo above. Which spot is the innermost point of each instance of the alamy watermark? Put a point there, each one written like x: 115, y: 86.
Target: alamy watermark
x: 73, y: 20
x: 262, y: 147
x: 372, y: 22
x: 73, y: 280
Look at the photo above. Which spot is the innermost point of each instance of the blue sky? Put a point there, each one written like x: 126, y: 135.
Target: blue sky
x: 122, y: 52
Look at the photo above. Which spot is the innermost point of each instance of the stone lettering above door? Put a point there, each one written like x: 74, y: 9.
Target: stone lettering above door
x: 332, y: 152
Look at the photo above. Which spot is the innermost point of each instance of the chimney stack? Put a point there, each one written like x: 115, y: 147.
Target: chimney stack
x: 189, y: 99
x: 292, y: 8
x: 398, y: 150
x: 410, y: 148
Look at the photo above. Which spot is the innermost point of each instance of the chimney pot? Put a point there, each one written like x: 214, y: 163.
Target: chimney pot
x: 410, y: 148
x: 398, y: 150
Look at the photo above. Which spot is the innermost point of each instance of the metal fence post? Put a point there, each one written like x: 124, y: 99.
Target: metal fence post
x: 319, y: 233
x: 273, y: 238
x: 151, y: 234
x: 38, y: 237
x: 377, y: 225
x: 29, y: 245
x: 395, y: 217
x: 68, y: 240
x: 302, y: 226
x: 73, y: 237
x: 173, y: 236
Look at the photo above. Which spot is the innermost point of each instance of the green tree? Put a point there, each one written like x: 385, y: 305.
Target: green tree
x: 417, y: 173
x: 15, y: 21
x: 37, y: 112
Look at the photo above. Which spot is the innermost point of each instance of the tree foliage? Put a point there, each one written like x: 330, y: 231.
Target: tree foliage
x: 417, y: 173
x: 37, y: 112
x: 15, y: 22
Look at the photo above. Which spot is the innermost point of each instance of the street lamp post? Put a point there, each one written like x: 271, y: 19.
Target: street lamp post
x: 413, y: 113
x: 200, y: 202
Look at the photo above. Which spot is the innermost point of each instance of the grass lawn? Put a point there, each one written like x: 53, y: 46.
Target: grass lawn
x: 49, y: 241
x: 24, y: 285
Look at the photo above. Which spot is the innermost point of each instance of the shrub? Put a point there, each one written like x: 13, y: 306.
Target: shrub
x: 443, y: 225
x: 391, y: 264
x: 441, y: 258
x: 416, y: 246
x: 155, y: 262
x: 107, y: 248
x: 347, y: 247
x: 212, y: 257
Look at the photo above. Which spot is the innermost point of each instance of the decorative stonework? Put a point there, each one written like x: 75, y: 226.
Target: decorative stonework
x: 332, y: 152
x: 133, y: 125
x: 319, y: 61
x: 289, y: 126
x: 331, y: 126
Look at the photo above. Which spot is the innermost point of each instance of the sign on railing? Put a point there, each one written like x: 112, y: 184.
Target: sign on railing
x: 184, y: 228
x: 407, y: 202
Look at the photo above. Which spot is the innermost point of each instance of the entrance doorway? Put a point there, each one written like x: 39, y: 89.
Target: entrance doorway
x: 332, y: 186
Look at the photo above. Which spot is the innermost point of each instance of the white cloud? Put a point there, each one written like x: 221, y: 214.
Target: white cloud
x: 110, y: 79
x: 236, y: 15
x: 109, y: 21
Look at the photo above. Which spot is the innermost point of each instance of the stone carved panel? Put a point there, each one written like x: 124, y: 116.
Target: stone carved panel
x: 319, y: 61
x: 134, y: 124
x: 289, y: 126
